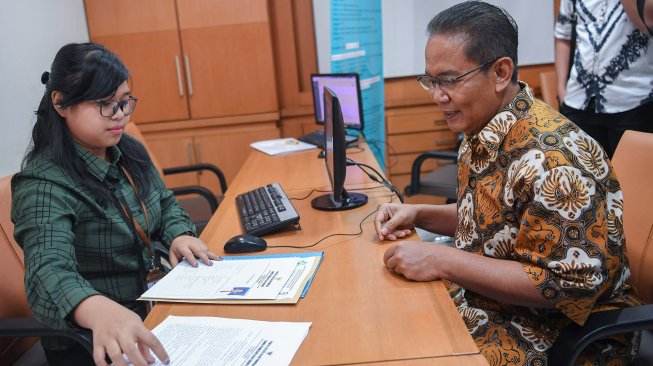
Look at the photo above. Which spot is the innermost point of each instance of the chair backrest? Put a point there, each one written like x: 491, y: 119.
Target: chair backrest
x: 134, y: 132
x: 633, y: 164
x: 549, y: 88
x: 13, y: 302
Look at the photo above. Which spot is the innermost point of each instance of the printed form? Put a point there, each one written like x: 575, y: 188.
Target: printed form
x: 242, y: 279
x: 200, y: 341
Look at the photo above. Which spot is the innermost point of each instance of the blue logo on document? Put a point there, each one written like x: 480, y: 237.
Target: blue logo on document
x: 239, y: 291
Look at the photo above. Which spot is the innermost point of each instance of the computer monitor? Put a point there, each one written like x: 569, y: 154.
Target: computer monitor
x: 347, y: 87
x: 335, y: 159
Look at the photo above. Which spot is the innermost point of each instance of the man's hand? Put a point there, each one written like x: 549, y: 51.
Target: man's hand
x: 417, y: 261
x: 394, y: 221
x: 189, y: 247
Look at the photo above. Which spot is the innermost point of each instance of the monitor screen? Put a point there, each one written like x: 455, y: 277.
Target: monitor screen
x: 335, y: 159
x: 347, y: 87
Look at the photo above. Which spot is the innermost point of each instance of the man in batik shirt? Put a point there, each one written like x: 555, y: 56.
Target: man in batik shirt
x: 539, y: 241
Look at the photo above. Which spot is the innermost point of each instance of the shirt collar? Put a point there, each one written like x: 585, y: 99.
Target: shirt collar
x: 491, y: 136
x: 98, y: 167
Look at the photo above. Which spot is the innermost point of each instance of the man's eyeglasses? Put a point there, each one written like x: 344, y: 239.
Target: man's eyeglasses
x: 447, y: 82
x: 109, y: 108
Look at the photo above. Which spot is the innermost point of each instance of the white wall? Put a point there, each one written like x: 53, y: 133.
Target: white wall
x: 32, y: 33
x: 404, y: 32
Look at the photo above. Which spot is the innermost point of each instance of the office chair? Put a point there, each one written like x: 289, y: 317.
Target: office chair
x: 16, y: 320
x: 633, y: 163
x: 198, y: 213
x: 548, y: 85
x: 441, y: 182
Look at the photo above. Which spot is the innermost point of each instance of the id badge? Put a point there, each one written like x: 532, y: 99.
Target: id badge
x: 153, y: 276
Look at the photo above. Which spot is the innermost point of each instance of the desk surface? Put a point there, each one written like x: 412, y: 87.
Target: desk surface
x: 361, y: 313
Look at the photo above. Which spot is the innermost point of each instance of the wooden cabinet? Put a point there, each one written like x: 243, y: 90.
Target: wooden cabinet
x: 224, y: 146
x: 190, y: 58
x: 144, y: 34
x: 410, y: 132
x: 204, y: 75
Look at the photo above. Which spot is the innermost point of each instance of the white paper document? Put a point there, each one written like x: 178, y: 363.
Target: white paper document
x: 242, y: 279
x: 204, y: 341
x: 280, y: 146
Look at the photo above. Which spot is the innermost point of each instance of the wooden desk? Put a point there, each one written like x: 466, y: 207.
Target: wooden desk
x: 361, y: 313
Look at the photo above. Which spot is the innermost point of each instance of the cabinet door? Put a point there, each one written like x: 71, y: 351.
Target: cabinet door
x: 174, y: 149
x: 228, y: 147
x: 228, y: 48
x: 144, y: 34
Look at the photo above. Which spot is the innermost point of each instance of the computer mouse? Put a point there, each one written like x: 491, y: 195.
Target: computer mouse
x: 245, y: 244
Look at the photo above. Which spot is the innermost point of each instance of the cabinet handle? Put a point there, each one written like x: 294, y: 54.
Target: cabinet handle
x: 181, y: 86
x: 190, y: 153
x: 189, y: 81
x: 198, y: 153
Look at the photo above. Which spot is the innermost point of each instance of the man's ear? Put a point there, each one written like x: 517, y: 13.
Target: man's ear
x: 56, y: 102
x: 503, y: 69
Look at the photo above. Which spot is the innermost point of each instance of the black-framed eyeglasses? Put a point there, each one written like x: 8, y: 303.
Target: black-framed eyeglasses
x: 448, y: 82
x: 109, y: 107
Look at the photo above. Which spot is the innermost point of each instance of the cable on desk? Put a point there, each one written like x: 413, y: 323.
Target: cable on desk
x: 328, y: 191
x: 360, y: 231
x: 378, y: 178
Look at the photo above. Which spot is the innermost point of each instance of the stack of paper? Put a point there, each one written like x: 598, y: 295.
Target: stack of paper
x: 280, y: 146
x: 222, y: 341
x: 277, y: 278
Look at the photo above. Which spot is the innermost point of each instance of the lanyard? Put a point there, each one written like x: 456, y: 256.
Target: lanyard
x: 139, y: 229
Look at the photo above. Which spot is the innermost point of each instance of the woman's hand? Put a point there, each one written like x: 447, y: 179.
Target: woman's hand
x: 190, y: 247
x: 117, y: 331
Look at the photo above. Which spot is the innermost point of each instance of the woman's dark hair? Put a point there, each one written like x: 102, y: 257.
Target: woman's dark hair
x: 489, y: 30
x: 83, y: 72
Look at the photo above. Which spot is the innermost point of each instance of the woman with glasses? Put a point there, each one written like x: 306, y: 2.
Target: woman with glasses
x: 86, y: 206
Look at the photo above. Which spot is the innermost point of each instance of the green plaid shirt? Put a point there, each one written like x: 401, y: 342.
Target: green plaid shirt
x: 75, y: 248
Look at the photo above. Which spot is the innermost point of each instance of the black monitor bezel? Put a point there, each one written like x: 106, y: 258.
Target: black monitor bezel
x: 358, y: 91
x: 335, y: 160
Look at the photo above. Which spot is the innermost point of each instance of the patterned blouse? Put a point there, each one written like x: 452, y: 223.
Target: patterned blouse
x: 534, y: 188
x: 613, y: 60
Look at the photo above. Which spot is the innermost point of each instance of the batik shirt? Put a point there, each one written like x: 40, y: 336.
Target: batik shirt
x: 613, y: 60
x: 534, y: 188
x: 76, y: 247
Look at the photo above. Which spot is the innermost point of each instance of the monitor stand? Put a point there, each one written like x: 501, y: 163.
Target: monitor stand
x: 328, y: 203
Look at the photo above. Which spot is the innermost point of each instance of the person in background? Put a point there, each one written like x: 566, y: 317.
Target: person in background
x: 539, y: 241
x: 640, y: 13
x: 85, y: 205
x: 608, y: 88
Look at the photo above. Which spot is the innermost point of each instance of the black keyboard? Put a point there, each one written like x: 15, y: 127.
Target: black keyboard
x: 317, y: 138
x: 265, y: 210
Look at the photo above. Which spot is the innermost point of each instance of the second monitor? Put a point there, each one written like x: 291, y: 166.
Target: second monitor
x: 347, y: 88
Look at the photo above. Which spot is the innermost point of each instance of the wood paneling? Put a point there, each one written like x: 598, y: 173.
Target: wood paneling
x: 151, y: 59
x: 418, y: 119
x: 402, y: 163
x: 209, y: 13
x: 231, y: 69
x: 294, y: 53
x: 228, y: 147
x: 116, y: 17
x: 420, y: 142
x: 299, y: 126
